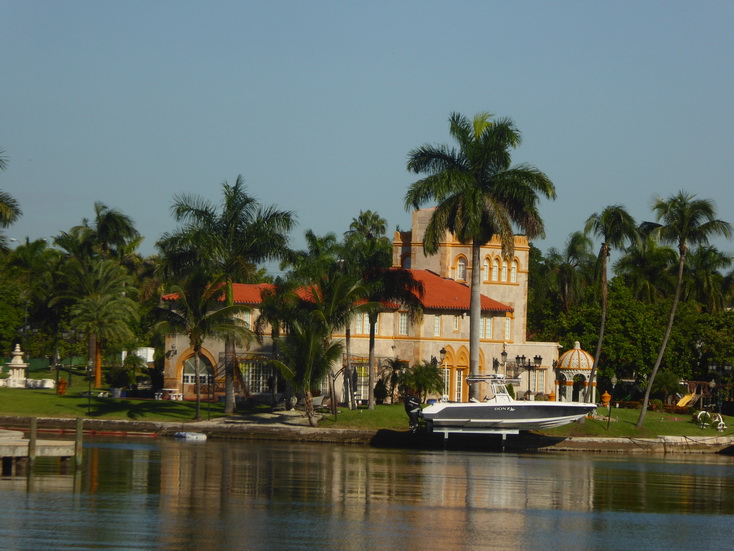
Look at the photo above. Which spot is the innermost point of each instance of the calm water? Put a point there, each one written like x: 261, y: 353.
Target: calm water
x: 165, y: 494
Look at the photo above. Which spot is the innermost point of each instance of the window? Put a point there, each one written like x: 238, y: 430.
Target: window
x: 256, y: 373
x: 459, y: 394
x: 495, y: 269
x: 446, y: 378
x: 189, y: 372
x: 485, y: 329
x: 485, y: 270
x: 456, y: 323
x: 508, y: 327
x: 248, y: 319
x: 461, y: 269
x: 436, y: 326
x: 504, y: 270
x: 403, y: 329
x: 358, y: 322
x: 513, y: 272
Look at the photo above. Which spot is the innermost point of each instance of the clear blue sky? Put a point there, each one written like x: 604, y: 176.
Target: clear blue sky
x: 318, y: 103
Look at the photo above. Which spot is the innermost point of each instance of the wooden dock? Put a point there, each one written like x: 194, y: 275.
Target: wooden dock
x: 19, y: 453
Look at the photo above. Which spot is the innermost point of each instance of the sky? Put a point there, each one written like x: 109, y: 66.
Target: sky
x: 318, y: 103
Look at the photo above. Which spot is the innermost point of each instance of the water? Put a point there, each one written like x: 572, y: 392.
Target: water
x: 166, y: 494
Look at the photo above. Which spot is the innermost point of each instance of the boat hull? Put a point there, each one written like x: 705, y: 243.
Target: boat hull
x: 515, y: 416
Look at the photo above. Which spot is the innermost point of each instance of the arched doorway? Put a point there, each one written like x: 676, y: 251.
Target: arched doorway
x: 188, y: 375
x: 579, y: 384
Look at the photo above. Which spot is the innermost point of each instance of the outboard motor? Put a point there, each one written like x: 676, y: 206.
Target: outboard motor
x: 413, y: 409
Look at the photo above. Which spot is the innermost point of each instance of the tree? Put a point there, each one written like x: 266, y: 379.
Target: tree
x: 9, y: 207
x: 479, y: 194
x: 570, y: 268
x: 307, y: 358
x: 229, y: 241
x: 423, y: 378
x: 647, y: 268
x: 615, y: 227
x: 685, y: 220
x: 200, y: 311
x: 703, y: 281
x: 99, y: 295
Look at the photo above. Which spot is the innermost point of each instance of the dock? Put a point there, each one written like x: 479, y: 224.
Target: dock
x: 19, y: 453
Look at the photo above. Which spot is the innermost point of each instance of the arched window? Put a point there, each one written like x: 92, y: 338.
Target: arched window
x: 504, y: 270
x: 495, y: 269
x: 205, y: 371
x: 485, y: 270
x: 513, y: 272
x: 461, y: 269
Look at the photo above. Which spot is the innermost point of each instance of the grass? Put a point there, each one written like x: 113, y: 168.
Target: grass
x: 46, y: 403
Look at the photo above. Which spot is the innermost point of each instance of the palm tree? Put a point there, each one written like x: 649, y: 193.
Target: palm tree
x: 685, y: 220
x: 703, y: 280
x: 368, y: 224
x: 570, y: 267
x: 479, y: 194
x: 308, y: 355
x: 199, y: 312
x: 99, y: 293
x: 647, y: 268
x: 112, y: 232
x: 615, y: 227
x: 230, y: 241
x: 423, y: 378
x: 9, y: 207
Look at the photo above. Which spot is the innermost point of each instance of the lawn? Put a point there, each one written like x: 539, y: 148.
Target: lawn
x: 46, y: 403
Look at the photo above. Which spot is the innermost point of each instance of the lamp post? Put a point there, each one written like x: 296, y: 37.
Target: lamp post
x: 609, y: 413
x: 504, y: 359
x: 527, y: 365
x: 442, y: 356
x: 712, y: 388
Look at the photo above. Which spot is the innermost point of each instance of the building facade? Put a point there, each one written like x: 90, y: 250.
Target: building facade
x: 441, y: 335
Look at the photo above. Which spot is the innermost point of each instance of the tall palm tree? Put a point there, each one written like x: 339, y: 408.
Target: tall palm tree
x: 615, y: 227
x: 569, y: 268
x: 199, y: 312
x: 368, y: 224
x: 683, y: 220
x: 229, y: 241
x: 479, y: 194
x: 111, y: 232
x: 370, y: 257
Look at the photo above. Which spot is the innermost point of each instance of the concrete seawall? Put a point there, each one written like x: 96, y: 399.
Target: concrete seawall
x: 295, y: 430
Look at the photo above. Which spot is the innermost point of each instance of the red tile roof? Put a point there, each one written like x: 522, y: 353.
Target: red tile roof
x: 439, y: 293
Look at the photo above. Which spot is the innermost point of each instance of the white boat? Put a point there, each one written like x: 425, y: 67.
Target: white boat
x: 191, y: 435
x: 499, y: 412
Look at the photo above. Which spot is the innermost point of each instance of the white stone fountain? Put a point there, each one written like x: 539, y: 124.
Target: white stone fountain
x: 16, y: 374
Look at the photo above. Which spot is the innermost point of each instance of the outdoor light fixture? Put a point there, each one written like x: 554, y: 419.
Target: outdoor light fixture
x: 442, y: 354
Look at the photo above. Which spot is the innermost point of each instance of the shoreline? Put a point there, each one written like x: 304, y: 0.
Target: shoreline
x: 294, y: 428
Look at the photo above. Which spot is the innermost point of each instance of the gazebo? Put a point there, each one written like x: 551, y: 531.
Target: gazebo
x: 572, y: 375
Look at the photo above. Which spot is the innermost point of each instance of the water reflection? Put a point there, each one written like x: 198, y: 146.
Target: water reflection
x: 166, y: 494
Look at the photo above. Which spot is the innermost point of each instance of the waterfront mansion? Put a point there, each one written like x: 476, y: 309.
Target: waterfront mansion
x: 441, y: 335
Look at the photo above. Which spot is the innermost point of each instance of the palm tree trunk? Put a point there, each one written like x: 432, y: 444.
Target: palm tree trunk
x: 229, y: 367
x: 308, y: 404
x: 668, y: 329
x: 475, y: 313
x: 604, y: 254
x: 371, y: 379
x: 348, y: 372
x: 197, y: 386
